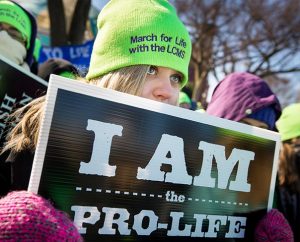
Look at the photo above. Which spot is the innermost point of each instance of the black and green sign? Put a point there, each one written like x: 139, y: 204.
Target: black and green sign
x: 131, y: 169
x: 17, y: 88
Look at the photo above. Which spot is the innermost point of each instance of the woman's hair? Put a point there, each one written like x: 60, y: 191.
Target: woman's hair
x: 129, y: 79
x: 289, y: 165
x: 25, y: 134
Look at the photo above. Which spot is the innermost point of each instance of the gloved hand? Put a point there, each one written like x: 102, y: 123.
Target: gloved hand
x: 273, y: 227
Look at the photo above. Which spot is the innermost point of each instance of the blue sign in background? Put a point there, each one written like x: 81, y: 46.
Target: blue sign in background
x: 78, y: 55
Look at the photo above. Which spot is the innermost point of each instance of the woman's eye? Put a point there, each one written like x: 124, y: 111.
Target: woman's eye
x: 176, y: 79
x: 152, y: 70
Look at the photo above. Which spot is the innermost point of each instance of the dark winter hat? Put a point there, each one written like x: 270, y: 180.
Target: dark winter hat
x: 242, y: 94
x: 25, y: 216
x: 273, y: 227
x: 57, y: 66
x: 266, y: 115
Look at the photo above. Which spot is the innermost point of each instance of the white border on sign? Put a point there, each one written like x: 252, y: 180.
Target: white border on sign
x: 58, y: 82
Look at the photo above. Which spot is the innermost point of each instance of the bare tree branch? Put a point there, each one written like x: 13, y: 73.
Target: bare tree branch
x: 257, y: 36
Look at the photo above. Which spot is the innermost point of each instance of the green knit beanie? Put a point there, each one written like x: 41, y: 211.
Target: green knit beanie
x: 68, y: 74
x: 37, y: 49
x: 140, y: 32
x: 184, y: 98
x: 289, y: 122
x: 12, y: 14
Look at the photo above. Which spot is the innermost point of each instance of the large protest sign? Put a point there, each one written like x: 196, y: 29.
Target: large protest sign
x: 17, y: 88
x: 128, y: 168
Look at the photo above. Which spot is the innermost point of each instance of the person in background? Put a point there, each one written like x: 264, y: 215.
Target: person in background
x: 17, y: 34
x: 288, y: 193
x: 117, y: 63
x: 59, y: 67
x: 184, y: 100
x: 246, y: 98
x: 25, y: 216
x: 189, y: 91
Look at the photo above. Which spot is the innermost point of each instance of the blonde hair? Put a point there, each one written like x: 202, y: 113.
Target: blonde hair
x: 25, y: 134
x: 128, y: 79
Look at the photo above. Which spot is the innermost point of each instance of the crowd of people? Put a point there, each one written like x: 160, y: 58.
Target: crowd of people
x: 155, y: 75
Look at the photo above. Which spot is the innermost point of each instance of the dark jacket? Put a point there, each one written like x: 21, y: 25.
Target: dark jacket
x: 289, y: 204
x: 15, y: 169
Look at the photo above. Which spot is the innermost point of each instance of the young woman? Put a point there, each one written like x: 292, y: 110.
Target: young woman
x: 142, y: 48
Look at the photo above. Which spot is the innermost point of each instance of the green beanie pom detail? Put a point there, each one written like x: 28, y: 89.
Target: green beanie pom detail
x: 140, y: 32
x: 12, y: 14
x: 288, y: 124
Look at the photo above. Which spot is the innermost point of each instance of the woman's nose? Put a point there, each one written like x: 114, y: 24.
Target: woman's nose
x: 163, y: 90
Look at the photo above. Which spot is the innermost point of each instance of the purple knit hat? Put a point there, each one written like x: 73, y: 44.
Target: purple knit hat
x: 241, y: 94
x: 25, y: 216
x: 274, y: 228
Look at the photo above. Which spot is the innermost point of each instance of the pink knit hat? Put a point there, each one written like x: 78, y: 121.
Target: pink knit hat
x: 25, y: 216
x: 274, y: 228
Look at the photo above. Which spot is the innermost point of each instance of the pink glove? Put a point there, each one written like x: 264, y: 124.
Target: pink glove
x: 274, y: 227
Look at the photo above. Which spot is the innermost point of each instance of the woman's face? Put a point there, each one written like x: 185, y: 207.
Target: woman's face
x: 162, y: 84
